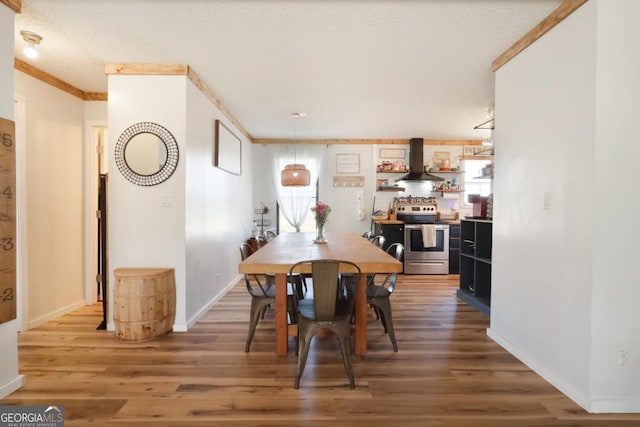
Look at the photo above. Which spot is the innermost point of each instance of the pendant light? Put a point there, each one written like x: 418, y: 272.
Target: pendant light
x: 295, y: 174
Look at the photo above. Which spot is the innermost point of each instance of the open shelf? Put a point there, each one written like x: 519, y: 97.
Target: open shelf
x: 475, y: 264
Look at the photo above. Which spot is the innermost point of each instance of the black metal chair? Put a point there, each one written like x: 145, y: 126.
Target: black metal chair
x: 378, y: 294
x: 367, y: 234
x: 262, y: 296
x: 329, y: 309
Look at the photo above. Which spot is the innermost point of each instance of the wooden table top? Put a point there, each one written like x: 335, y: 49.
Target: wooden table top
x: 288, y: 248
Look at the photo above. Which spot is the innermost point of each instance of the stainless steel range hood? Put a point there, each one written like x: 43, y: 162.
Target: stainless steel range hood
x: 416, y: 163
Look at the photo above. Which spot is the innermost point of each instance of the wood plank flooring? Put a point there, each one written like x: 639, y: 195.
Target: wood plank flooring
x: 446, y: 373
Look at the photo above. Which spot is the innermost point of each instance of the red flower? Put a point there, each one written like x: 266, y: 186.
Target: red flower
x: 322, y: 211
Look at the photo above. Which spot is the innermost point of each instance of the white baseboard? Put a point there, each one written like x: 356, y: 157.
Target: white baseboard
x: 11, y: 386
x: 617, y: 406
x: 55, y: 314
x: 579, y: 398
x: 210, y: 304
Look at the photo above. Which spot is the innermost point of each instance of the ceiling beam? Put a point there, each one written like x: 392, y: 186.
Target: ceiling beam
x: 45, y: 77
x: 95, y: 96
x: 15, y: 5
x: 365, y: 141
x: 557, y: 16
x: 147, y: 69
x: 49, y: 79
x: 211, y: 95
x: 177, y: 70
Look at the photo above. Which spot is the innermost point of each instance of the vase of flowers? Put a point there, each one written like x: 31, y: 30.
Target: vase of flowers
x: 322, y: 211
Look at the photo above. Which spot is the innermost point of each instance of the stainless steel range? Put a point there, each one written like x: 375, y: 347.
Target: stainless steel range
x: 426, y: 244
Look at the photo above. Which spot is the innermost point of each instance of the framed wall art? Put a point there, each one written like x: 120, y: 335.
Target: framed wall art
x: 392, y: 153
x: 228, y: 150
x: 347, y: 163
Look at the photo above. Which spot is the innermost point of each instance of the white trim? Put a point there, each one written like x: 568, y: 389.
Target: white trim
x: 11, y: 386
x: 597, y: 406
x: 22, y: 266
x: 573, y: 394
x: 207, y: 306
x: 617, y: 406
x: 55, y: 314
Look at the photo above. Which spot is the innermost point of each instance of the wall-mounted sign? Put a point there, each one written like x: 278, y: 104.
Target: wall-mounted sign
x: 347, y: 163
x: 392, y: 153
x: 7, y: 221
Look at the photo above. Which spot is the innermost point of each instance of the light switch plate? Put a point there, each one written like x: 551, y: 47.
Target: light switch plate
x: 167, y: 201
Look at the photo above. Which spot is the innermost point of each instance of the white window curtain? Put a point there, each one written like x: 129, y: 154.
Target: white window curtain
x: 295, y: 202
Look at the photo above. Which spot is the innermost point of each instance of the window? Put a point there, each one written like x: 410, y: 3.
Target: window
x: 473, y: 185
x: 309, y: 224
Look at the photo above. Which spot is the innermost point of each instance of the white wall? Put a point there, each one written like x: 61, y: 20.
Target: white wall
x: 10, y: 380
x: 615, y: 321
x: 559, y: 288
x: 54, y: 188
x: 198, y: 236
x: 343, y: 200
x: 218, y: 208
x: 141, y: 232
x: 95, y: 111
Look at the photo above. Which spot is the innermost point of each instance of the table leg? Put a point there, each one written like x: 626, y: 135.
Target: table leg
x: 282, y: 334
x: 361, y: 314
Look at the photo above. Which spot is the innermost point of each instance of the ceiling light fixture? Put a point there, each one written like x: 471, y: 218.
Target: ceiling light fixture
x: 294, y: 174
x: 32, y: 39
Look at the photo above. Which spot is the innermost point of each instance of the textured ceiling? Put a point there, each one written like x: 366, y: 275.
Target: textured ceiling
x: 359, y: 69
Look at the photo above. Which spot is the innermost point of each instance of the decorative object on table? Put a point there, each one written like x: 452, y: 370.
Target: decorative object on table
x: 322, y: 211
x: 295, y: 174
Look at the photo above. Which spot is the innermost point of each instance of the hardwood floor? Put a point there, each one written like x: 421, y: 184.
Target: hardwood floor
x: 447, y: 373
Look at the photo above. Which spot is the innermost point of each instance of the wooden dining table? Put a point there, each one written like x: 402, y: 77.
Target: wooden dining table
x: 289, y: 248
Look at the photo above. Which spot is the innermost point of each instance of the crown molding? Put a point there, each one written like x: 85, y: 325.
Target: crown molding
x: 15, y: 5
x: 557, y: 16
x: 366, y: 141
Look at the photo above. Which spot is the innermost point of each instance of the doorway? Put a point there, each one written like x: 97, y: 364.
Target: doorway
x: 96, y: 178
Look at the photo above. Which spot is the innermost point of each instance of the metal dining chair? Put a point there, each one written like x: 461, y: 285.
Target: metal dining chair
x: 270, y: 235
x: 262, y: 296
x: 378, y: 294
x: 378, y: 240
x: 330, y: 308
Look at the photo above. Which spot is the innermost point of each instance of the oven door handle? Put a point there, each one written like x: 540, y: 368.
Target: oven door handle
x: 419, y: 226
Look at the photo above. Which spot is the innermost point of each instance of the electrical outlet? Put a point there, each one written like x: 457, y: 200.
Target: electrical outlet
x: 622, y: 358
